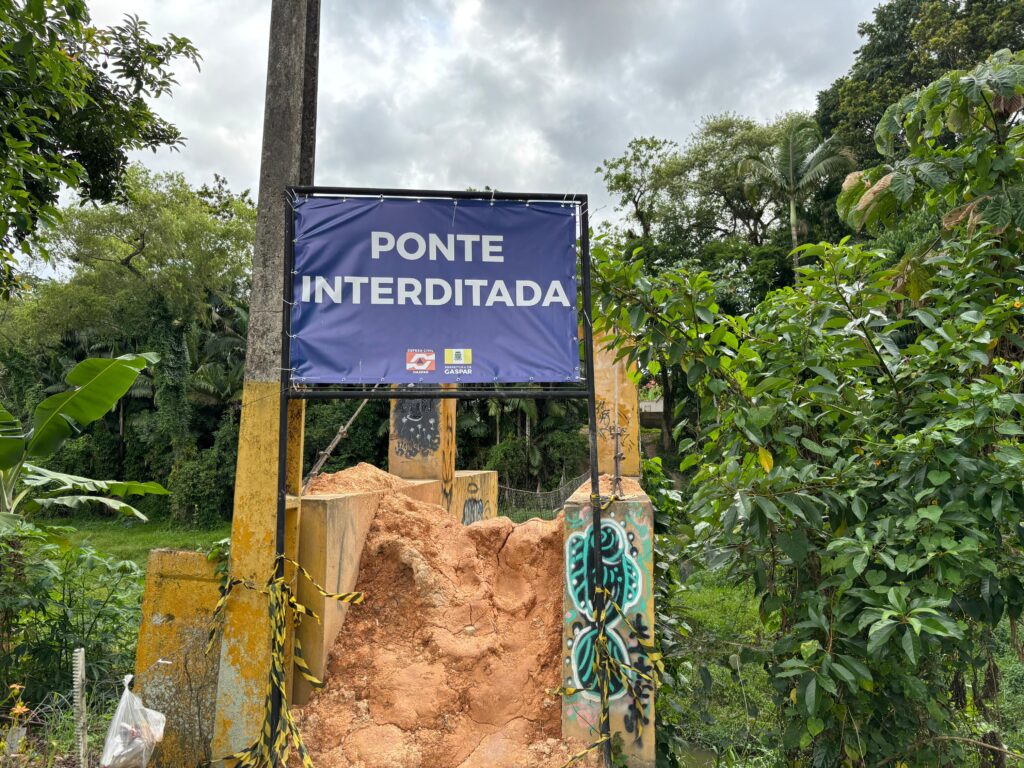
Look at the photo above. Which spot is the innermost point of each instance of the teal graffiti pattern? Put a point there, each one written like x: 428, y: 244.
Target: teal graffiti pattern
x: 623, y: 577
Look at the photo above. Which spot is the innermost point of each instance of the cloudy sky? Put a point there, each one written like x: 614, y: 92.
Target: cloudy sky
x: 521, y: 95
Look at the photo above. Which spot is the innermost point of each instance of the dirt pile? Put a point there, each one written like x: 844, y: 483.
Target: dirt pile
x: 361, y: 477
x: 628, y: 487
x: 446, y: 663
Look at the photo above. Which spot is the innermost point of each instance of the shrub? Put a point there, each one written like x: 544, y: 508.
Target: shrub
x: 511, y: 458
x: 202, y: 481
x: 54, y: 600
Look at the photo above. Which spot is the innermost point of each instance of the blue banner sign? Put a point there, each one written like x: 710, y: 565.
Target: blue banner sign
x: 403, y: 291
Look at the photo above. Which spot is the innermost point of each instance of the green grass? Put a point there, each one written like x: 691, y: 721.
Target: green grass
x: 737, y: 710
x: 131, y: 540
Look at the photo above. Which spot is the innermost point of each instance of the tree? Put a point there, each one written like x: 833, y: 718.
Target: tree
x: 634, y: 178
x: 856, y: 453
x: 908, y: 44
x: 96, y: 385
x: 797, y: 164
x: 73, y: 103
x: 706, y: 196
x: 703, y: 215
x: 164, y: 268
x: 978, y: 181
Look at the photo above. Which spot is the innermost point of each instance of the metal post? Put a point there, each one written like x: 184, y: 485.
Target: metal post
x: 597, y: 567
x: 81, y: 713
x: 282, y: 449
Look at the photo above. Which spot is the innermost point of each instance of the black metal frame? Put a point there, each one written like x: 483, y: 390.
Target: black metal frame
x: 540, y: 391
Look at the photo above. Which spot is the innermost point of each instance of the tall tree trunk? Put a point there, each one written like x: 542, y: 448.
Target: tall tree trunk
x: 668, y: 445
x: 120, y: 437
x: 793, y: 234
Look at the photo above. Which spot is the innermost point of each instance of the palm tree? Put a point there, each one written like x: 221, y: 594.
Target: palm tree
x: 796, y: 165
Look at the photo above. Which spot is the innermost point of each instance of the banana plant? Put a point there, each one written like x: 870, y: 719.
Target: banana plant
x: 95, y: 386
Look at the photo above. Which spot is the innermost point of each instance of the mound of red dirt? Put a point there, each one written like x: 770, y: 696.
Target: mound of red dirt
x: 446, y: 663
x: 361, y: 477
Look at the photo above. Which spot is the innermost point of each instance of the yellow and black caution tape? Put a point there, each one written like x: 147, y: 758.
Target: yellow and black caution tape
x: 587, y: 751
x: 276, y: 740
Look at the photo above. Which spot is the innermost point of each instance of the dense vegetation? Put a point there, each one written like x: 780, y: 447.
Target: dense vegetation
x: 73, y: 102
x: 840, y: 461
x: 849, y: 448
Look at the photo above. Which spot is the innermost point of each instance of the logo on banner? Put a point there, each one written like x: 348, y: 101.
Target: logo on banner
x: 420, y: 360
x: 458, y: 362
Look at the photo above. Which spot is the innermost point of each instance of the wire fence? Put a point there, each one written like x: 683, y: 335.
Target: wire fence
x: 520, y: 505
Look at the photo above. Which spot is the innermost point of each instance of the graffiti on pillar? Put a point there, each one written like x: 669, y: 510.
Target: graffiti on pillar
x: 623, y: 578
x: 474, y: 508
x: 417, y: 427
x: 606, y: 421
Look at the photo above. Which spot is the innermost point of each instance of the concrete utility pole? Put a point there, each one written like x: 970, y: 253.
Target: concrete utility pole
x: 289, y: 138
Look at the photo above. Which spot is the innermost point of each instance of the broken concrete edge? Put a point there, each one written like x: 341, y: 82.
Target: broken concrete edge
x: 582, y: 494
x: 629, y: 524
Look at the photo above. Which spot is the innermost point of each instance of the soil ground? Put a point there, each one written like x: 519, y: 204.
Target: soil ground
x: 447, y: 662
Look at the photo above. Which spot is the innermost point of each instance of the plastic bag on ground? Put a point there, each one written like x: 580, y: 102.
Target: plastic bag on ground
x: 133, y: 734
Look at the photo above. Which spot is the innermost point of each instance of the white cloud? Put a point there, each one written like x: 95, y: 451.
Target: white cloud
x: 526, y: 95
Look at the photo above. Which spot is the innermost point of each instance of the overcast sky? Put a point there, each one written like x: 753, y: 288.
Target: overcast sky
x: 521, y: 95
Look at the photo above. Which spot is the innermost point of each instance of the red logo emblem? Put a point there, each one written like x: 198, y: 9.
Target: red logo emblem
x: 420, y: 360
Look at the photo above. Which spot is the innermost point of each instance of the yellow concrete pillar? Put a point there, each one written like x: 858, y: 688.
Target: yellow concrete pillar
x: 287, y: 158
x: 245, y: 647
x: 627, y: 550
x: 173, y: 673
x: 618, y: 408
x: 476, y: 495
x: 421, y: 445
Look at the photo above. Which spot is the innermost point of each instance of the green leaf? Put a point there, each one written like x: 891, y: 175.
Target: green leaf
x: 844, y: 674
x: 815, y: 726
x: 902, y: 186
x: 810, y: 696
x: 98, y: 384
x: 879, y: 634
x: 12, y: 440
x: 908, y: 645
x: 79, y: 500
x: 858, y: 668
x: 825, y: 373
x: 38, y: 476
x: 932, y: 512
x: 795, y: 545
x: 937, y: 477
